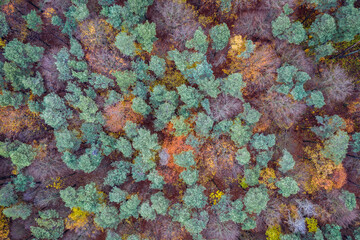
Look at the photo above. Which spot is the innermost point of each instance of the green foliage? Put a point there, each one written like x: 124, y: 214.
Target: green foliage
x: 145, y: 35
x: 324, y: 50
x: 287, y: 186
x: 349, y: 199
x: 117, y: 195
x: 185, y: 159
x: 219, y: 35
x: 163, y: 115
x: 76, y: 48
x: 108, y: 217
x: 204, y: 124
x: 22, y: 155
x: 290, y: 237
x: 51, y: 226
x: 130, y: 208
x: 243, y: 156
x: 62, y: 59
x: 15, y: 99
x: 4, y: 29
x: 194, y: 197
x: 106, y: 2
x: 189, y: 95
x: 125, y: 79
x: 89, y: 110
x: 7, y: 195
x: 117, y: 176
x: 23, y: 182
x: 252, y: 176
x: 110, y: 234
x: 250, y: 47
x: 298, y: 92
x: 125, y: 43
x: 335, y: 148
x: 328, y: 126
x: 101, y: 82
x: 286, y: 162
x: 147, y: 212
x: 160, y: 95
x: 87, y: 198
x: 140, y: 106
x: 33, y: 21
x: 181, y: 127
x: 157, y: 181
x: 159, y: 203
x: 14, y: 75
x: 79, y: 10
x: 66, y: 140
x: 210, y: 86
x: 346, y: 16
x: 199, y: 42
x: 319, y: 235
x: 256, y: 200
x: 145, y: 140
x: 190, y: 176
x: 263, y: 158
x: 196, y: 224
x: 35, y: 84
x: 332, y: 232
x: 239, y: 133
x: 322, y: 29
x: 283, y: 28
x: 179, y: 213
x: 157, y: 65
x: 21, y: 210
x: 233, y: 85
x: 22, y: 54
x: 90, y: 132
x: 262, y: 142
x: 316, y: 99
x: 356, y: 142
x: 248, y: 224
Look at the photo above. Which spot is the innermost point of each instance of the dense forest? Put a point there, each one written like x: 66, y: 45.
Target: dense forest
x: 179, y: 119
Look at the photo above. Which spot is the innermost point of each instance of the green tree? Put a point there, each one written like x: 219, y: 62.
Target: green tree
x: 55, y: 112
x: 51, y: 226
x: 335, y: 148
x: 33, y: 21
x: 76, y: 48
x: 190, y: 176
x: 256, y: 199
x: 349, y: 199
x: 130, y: 208
x: 323, y: 51
x: 140, y: 106
x: 23, y: 155
x: 316, y: 99
x: 322, y: 29
x: 185, y: 159
x: 79, y: 10
x: 283, y: 28
x: 124, y: 146
x: 23, y: 182
x: 240, y: 133
x: 7, y: 195
x: 157, y: 65
x: 108, y: 217
x: 346, y: 17
x: 22, y: 54
x: 199, y: 42
x: 233, y: 85
x: 262, y: 142
x: 356, y: 142
x: 21, y: 210
x: 125, y: 79
x: 159, y: 203
x: 204, y: 124
x: 328, y: 126
x: 189, y: 95
x: 194, y: 197
x: 145, y: 35
x: 147, y: 212
x: 243, y: 156
x: 62, y: 59
x: 117, y: 195
x: 286, y: 162
x: 219, y: 35
x: 332, y: 231
x: 181, y: 127
x: 67, y: 140
x: 125, y: 43
x: 4, y: 29
x: 110, y: 235
x: 118, y: 175
x: 35, y: 84
x: 287, y: 186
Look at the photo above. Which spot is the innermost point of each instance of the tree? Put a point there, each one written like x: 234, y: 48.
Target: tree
x: 243, y: 156
x: 286, y: 162
x: 233, y: 85
x: 196, y: 224
x: 335, y: 148
x: 204, y: 124
x: 33, y: 21
x: 35, y: 84
x: 145, y: 35
x: 332, y: 231
x: 67, y: 140
x: 181, y: 127
x: 220, y: 35
x: 86, y: 198
x: 159, y: 203
x: 22, y: 155
x: 190, y: 176
x: 356, y: 142
x: 145, y: 140
x: 76, y: 48
x: 287, y: 186
x: 22, y: 54
x: 130, y: 208
x: 185, y: 159
x: 124, y: 146
x: 4, y: 29
x: 239, y: 133
x: 262, y: 142
x: 316, y: 99
x: 256, y: 199
x: 117, y: 195
x: 189, y: 95
x: 283, y: 28
x: 199, y: 42
x: 157, y: 65
x: 23, y: 182
x: 21, y: 210
x: 140, y: 106
x: 125, y: 43
x: 346, y: 16
x: 119, y: 175
x: 147, y: 212
x: 108, y: 217
x: 55, y: 112
x: 112, y: 235
x: 79, y: 10
x: 7, y: 195
x: 194, y: 197
x: 62, y: 64
x: 51, y: 226
x: 89, y: 110
x: 252, y: 175
x: 322, y: 30
x: 125, y: 79
x: 349, y: 199
x: 328, y: 126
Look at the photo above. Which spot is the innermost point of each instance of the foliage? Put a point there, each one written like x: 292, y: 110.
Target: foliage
x: 190, y: 176
x: 23, y: 182
x: 145, y: 35
x: 130, y: 208
x: 199, y: 42
x: 140, y: 106
x: 243, y: 156
x: 108, y: 217
x: 51, y: 226
x: 311, y: 224
x: 125, y: 43
x: 256, y: 200
x: 219, y: 35
x: 286, y: 162
x: 233, y: 85
x: 159, y: 203
x: 262, y: 142
x: 22, y: 54
x: 67, y: 140
x: 76, y: 48
x: 156, y: 179
x: 117, y: 176
x: 117, y: 195
x: 125, y: 79
x: 189, y: 95
x: 273, y: 233
x: 356, y: 142
x: 283, y: 28
x: 4, y: 25
x: 335, y: 148
x: 240, y: 133
x: 287, y: 186
x: 22, y: 155
x: 316, y: 99
x: 33, y: 21
x: 62, y: 64
x: 146, y: 211
x: 157, y: 65
x: 204, y: 124
x: 349, y: 200
x: 7, y: 195
x: 185, y: 159
x: 194, y: 197
x: 332, y: 231
x: 21, y: 210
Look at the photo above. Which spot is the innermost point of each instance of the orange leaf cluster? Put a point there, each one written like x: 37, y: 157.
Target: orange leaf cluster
x: 117, y: 115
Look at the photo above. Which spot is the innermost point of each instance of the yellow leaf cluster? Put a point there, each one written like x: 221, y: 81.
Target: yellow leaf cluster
x: 215, y: 197
x: 273, y: 233
x: 237, y: 46
x: 57, y: 183
x: 311, y: 224
x: 267, y: 177
x: 77, y: 219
